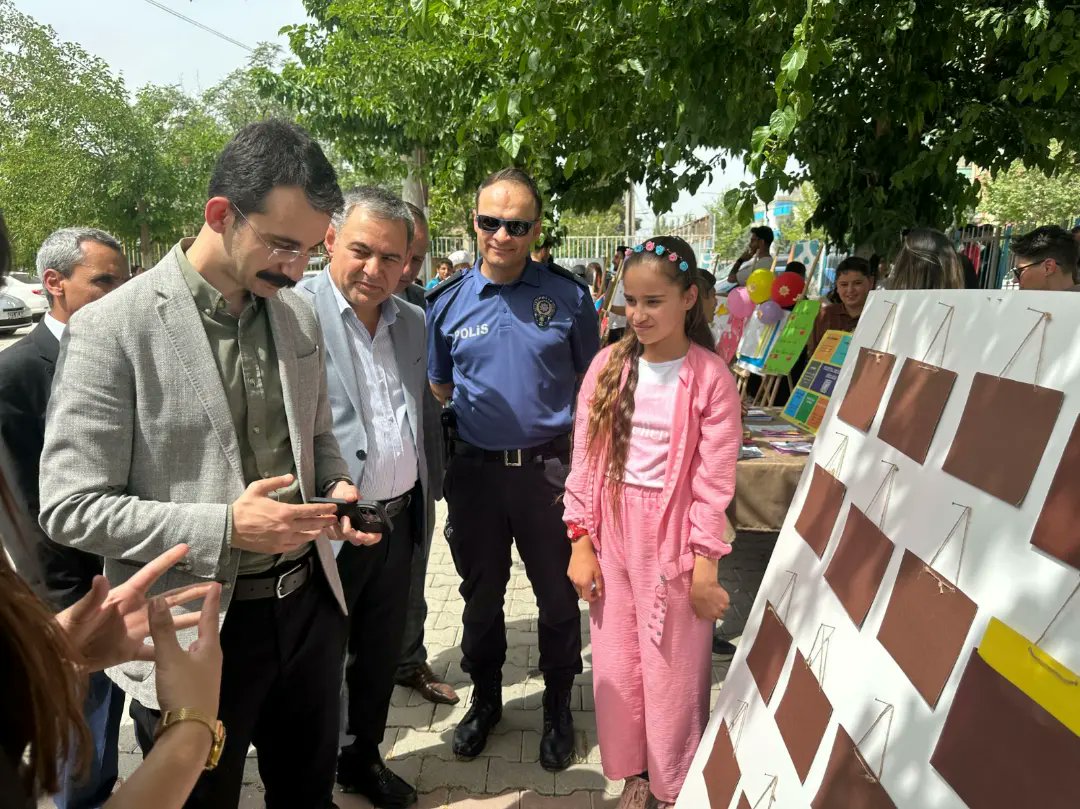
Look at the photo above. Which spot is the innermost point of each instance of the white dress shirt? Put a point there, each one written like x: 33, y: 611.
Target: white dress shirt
x: 391, y: 468
x: 54, y: 325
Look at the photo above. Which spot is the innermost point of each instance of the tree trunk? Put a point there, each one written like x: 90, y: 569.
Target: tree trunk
x: 145, y: 257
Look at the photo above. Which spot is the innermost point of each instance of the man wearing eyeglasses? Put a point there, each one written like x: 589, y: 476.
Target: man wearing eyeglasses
x: 1046, y: 259
x: 190, y: 406
x: 507, y: 341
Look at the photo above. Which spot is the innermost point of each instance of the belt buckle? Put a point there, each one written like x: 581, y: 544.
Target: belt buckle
x: 509, y: 454
x: 281, y: 580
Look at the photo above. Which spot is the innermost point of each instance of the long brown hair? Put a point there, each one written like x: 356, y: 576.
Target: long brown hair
x: 927, y: 260
x: 41, y: 691
x: 611, y: 410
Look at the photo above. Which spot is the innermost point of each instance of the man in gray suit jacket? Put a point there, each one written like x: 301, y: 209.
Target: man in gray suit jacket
x: 190, y: 406
x: 375, y: 372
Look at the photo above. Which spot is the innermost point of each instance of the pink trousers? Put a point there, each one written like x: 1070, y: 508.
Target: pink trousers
x: 651, y: 655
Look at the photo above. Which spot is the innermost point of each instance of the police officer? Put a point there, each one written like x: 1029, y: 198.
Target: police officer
x: 508, y: 340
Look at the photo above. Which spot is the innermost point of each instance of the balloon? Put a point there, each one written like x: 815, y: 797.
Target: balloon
x: 739, y: 303
x: 770, y: 312
x: 721, y: 310
x: 759, y: 285
x: 787, y: 288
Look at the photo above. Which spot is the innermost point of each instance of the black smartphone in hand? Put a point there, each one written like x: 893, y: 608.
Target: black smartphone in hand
x: 368, y: 516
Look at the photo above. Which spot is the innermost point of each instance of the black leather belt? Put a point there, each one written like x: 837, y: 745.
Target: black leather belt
x: 555, y: 448
x: 397, y: 505
x: 275, y: 583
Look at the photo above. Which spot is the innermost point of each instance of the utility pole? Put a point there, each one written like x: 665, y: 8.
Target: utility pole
x: 628, y: 205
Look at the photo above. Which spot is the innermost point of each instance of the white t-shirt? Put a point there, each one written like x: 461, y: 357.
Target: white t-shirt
x: 654, y: 412
x: 617, y: 299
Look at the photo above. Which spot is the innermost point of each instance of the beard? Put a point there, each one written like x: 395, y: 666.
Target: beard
x: 279, y: 280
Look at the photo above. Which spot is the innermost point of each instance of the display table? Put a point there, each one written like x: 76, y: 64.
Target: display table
x: 765, y: 487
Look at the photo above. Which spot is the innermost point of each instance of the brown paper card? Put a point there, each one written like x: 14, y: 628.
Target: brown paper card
x: 915, y: 407
x: 858, y: 566
x: 1001, y: 750
x: 1002, y: 436
x: 744, y: 802
x: 770, y: 649
x: 819, y: 512
x: 868, y: 383
x: 849, y: 782
x: 925, y: 626
x: 722, y: 771
x: 1058, y: 530
x: 803, y: 716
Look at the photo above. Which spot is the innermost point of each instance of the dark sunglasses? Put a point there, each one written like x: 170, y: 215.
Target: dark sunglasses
x: 515, y: 227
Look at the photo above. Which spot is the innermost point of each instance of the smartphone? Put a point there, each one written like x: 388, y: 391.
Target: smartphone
x: 368, y: 516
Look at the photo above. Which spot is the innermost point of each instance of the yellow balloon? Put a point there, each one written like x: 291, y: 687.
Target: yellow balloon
x: 721, y: 310
x: 759, y: 285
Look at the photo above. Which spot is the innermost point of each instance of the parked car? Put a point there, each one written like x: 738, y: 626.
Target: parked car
x: 14, y: 314
x: 30, y: 294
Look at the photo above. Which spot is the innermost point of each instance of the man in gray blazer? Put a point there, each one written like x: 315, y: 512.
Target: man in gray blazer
x: 376, y: 378
x: 190, y: 406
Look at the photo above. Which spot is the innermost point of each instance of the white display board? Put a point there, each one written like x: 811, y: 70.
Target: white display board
x: 1001, y: 572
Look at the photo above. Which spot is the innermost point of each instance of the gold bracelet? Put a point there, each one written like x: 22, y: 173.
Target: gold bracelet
x: 217, y: 730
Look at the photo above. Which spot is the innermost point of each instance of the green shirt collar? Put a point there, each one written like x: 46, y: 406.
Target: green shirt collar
x: 207, y: 298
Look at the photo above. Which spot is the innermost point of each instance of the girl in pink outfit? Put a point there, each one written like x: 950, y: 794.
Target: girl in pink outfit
x: 656, y: 438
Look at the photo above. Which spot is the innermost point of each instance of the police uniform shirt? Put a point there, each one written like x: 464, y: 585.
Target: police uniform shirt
x: 513, y: 352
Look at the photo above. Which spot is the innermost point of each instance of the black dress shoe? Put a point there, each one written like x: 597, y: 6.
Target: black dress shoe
x: 485, y: 711
x: 376, y: 782
x: 557, y: 743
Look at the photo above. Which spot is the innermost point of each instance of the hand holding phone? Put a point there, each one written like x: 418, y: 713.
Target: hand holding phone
x: 368, y: 516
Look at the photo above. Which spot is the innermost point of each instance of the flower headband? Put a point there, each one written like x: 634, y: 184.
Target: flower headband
x: 659, y: 249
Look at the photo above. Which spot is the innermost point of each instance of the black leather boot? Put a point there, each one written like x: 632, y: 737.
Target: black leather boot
x: 485, y: 711
x: 557, y: 743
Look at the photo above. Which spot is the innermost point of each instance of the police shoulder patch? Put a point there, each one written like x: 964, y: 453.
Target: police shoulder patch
x: 565, y: 273
x: 544, y: 309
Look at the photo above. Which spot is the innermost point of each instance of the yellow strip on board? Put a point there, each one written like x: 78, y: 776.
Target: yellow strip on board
x: 1033, y: 671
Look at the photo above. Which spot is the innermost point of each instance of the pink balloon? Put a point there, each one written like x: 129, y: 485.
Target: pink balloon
x: 739, y: 303
x: 770, y: 313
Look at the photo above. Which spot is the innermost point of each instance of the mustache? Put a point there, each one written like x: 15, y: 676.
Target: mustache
x: 279, y: 280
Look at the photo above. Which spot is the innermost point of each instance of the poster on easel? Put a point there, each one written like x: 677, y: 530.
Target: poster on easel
x: 810, y: 400
x: 929, y: 596
x: 757, y: 342
x: 793, y: 338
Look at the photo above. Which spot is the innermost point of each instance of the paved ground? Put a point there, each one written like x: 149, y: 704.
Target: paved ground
x: 507, y: 776
x: 10, y: 339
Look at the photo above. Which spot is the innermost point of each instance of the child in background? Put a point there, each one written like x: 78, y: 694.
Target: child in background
x: 656, y: 439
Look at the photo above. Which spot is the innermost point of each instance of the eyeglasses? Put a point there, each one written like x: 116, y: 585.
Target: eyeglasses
x: 277, y: 254
x: 1019, y: 271
x: 515, y: 227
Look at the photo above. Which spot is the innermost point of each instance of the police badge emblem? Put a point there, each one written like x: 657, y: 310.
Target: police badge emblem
x: 543, y: 310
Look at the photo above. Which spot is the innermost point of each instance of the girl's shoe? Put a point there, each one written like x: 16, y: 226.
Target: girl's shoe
x: 635, y: 794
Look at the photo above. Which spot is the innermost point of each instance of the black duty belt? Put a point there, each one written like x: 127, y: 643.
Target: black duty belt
x: 278, y: 582
x: 555, y: 448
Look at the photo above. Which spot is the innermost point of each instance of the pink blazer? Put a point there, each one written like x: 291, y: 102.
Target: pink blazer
x: 700, y: 478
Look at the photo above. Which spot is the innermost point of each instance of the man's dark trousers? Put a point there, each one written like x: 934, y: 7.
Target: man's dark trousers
x: 491, y: 506
x: 280, y: 690
x: 376, y: 581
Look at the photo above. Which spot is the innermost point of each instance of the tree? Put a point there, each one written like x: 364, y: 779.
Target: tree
x: 798, y: 227
x: 731, y: 234
x: 605, y: 223
x: 1021, y: 195
x: 64, y: 130
x: 586, y: 96
x: 879, y: 101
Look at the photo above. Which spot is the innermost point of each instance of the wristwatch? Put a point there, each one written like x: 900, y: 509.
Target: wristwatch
x: 217, y: 730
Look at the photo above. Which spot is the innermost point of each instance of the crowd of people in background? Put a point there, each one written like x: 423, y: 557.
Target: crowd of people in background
x: 242, y: 464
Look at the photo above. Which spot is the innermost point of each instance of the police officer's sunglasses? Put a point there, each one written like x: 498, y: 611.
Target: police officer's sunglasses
x: 515, y: 227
